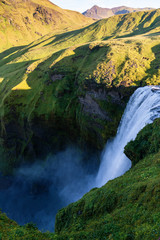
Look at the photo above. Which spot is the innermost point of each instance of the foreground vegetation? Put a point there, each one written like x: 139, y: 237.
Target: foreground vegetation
x: 125, y: 208
x: 10, y: 230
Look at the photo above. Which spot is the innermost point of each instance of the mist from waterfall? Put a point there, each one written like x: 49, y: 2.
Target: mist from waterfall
x: 37, y: 191
x: 143, y: 108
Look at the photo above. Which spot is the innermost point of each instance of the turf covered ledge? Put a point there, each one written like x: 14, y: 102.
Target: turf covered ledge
x: 146, y: 142
x: 127, y: 207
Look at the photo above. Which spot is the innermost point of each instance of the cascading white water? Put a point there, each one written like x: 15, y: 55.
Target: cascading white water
x: 143, y: 108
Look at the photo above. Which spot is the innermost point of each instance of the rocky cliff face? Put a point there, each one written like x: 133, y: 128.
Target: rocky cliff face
x: 99, y: 12
x: 25, y: 139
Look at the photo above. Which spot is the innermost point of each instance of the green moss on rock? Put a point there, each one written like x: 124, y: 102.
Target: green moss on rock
x: 146, y: 142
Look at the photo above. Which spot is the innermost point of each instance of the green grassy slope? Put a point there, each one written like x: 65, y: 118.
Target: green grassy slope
x: 118, y: 26
x: 76, y: 79
x: 81, y: 81
x: 22, y: 21
x: 146, y: 142
x: 9, y: 229
x: 125, y: 208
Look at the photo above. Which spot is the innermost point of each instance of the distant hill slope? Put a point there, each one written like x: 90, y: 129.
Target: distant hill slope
x: 23, y: 21
x: 125, y: 25
x: 99, y: 13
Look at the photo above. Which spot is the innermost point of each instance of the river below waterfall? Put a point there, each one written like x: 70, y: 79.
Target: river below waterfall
x: 38, y: 191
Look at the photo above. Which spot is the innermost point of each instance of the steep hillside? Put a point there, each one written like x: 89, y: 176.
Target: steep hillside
x: 126, y: 25
x: 125, y: 208
x: 9, y: 229
x: 79, y: 86
x: 99, y: 12
x: 23, y: 21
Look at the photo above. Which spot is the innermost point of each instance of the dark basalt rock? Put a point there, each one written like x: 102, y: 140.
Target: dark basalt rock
x: 91, y: 107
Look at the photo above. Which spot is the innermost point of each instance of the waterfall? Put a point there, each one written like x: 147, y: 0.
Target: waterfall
x: 143, y: 108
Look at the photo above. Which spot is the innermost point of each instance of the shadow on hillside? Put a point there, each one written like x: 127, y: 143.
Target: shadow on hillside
x: 40, y: 76
x: 140, y: 29
x: 153, y: 34
x: 11, y: 78
x: 32, y: 45
x: 82, y: 62
x: 45, y: 117
x: 42, y: 73
x: 10, y: 51
x: 72, y: 34
x: 155, y: 64
x: 11, y: 54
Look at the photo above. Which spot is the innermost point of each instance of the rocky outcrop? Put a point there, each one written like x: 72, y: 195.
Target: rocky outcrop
x: 91, y: 107
x: 99, y: 12
x: 56, y: 77
x: 97, y: 119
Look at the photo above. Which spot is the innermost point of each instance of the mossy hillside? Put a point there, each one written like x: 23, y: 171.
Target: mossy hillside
x: 141, y: 24
x: 56, y: 77
x: 54, y: 81
x: 145, y: 23
x: 125, y: 208
x: 107, y: 63
x: 48, y: 45
x: 110, y: 63
x: 25, y: 21
x: 147, y: 142
x: 10, y: 230
x: 55, y: 102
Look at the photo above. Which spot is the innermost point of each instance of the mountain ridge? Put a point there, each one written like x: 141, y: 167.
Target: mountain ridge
x: 100, y: 13
x: 23, y: 21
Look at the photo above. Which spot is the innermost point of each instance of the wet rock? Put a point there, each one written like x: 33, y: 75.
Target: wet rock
x: 115, y: 97
x: 56, y: 77
x: 92, y: 108
x: 100, y: 94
